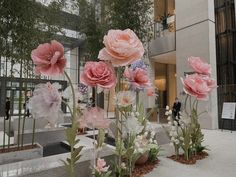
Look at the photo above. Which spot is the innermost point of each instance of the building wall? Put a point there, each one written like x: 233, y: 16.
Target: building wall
x: 195, y: 36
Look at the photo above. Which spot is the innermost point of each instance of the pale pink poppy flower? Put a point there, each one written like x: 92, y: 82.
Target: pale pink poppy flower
x: 46, y: 102
x: 94, y: 117
x: 196, y: 86
x: 99, y: 74
x: 125, y: 98
x: 49, y: 58
x: 121, y: 47
x: 199, y: 66
x: 101, y: 166
x: 138, y: 77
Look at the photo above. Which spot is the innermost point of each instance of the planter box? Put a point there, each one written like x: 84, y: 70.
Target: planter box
x: 21, y: 155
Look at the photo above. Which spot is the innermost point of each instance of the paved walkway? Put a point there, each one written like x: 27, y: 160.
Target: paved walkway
x: 220, y: 163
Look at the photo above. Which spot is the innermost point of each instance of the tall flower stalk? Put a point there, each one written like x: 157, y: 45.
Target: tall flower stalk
x: 50, y: 60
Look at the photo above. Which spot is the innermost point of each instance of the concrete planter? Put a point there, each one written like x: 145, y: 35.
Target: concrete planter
x: 21, y: 155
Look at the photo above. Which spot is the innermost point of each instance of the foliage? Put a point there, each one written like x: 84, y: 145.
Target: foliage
x: 25, y: 24
x: 133, y: 14
x: 97, y: 17
x: 153, y: 153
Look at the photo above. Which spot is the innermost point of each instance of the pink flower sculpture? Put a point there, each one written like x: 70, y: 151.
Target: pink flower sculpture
x: 138, y: 77
x: 121, y: 47
x: 94, y: 118
x: 98, y: 74
x: 196, y: 86
x: 101, y: 166
x: 46, y: 102
x: 211, y: 83
x: 199, y: 66
x: 49, y: 58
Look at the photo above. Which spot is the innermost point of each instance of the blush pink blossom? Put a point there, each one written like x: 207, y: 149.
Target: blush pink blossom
x: 138, y: 77
x: 199, y: 66
x: 98, y: 74
x: 211, y: 83
x: 101, y: 166
x: 121, y: 47
x: 196, y: 86
x: 46, y: 102
x: 49, y: 58
x: 94, y: 117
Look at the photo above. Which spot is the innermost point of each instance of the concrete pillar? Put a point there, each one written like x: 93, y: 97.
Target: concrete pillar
x: 195, y: 36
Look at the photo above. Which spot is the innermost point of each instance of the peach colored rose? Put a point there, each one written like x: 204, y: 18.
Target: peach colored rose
x: 138, y: 77
x: 196, y: 86
x: 98, y: 74
x: 199, y: 66
x: 121, y: 47
x: 49, y: 58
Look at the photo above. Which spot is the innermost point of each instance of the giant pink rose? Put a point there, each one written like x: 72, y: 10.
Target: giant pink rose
x: 196, y: 86
x: 199, y: 66
x: 98, y: 74
x: 121, y: 47
x: 211, y: 83
x: 49, y: 58
x: 137, y: 77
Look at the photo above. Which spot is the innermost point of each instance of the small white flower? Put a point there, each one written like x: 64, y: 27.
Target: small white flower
x: 181, y: 138
x: 167, y: 107
x: 153, y: 133
x: 166, y: 113
x: 176, y: 141
x: 132, y: 114
x: 172, y: 139
x: 169, y: 118
x: 137, y: 113
x: 140, y: 150
x: 175, y: 123
x: 175, y: 134
x: 123, y: 166
x: 155, y: 141
x: 145, y: 134
x: 170, y: 112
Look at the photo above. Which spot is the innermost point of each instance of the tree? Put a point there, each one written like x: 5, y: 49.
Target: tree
x: 98, y: 16
x: 24, y: 25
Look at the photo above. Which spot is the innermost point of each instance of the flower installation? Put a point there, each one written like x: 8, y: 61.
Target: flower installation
x: 185, y: 131
x: 134, y: 138
x: 120, y: 63
x: 49, y: 60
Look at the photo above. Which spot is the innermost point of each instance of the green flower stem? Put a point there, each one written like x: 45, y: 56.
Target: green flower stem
x: 23, y: 128
x: 4, y: 132
x: 9, y: 128
x: 137, y: 99
x: 108, y: 102
x: 73, y: 128
x: 71, y: 112
x: 33, y: 136
x: 73, y: 98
